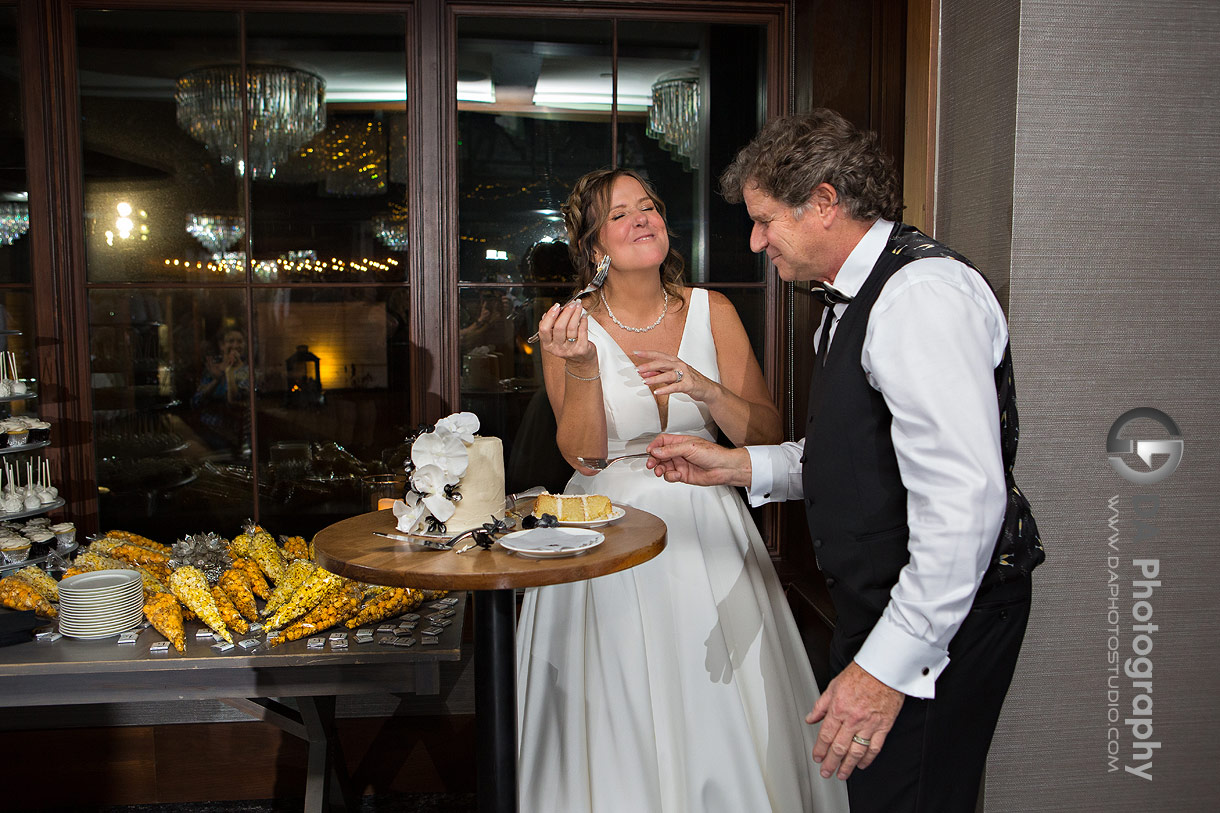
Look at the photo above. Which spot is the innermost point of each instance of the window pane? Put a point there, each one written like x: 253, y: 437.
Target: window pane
x: 502, y: 373
x: 159, y: 205
x: 17, y: 335
x: 751, y: 306
x: 707, y: 100
x: 14, y: 211
x: 171, y: 383
x: 330, y: 196
x: 332, y: 372
x: 534, y: 100
x: 534, y: 114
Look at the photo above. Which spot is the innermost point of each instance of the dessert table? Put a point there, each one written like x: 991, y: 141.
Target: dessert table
x: 254, y: 681
x: 350, y: 548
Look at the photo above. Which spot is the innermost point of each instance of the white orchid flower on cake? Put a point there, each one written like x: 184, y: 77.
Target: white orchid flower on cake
x: 429, y: 481
x: 410, y: 512
x: 443, y: 450
x: 460, y: 424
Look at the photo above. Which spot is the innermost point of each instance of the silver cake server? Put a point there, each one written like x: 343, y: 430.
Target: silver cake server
x: 422, y: 541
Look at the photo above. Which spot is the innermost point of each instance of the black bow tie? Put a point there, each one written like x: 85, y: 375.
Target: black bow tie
x: 829, y: 296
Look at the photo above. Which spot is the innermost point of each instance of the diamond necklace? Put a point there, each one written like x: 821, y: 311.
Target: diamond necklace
x: 613, y: 318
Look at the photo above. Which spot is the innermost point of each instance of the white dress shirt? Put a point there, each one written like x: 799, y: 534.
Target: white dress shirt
x: 934, y: 338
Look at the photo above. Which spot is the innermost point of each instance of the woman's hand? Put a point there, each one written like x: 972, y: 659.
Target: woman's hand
x: 564, y: 332
x: 216, y: 367
x: 665, y: 374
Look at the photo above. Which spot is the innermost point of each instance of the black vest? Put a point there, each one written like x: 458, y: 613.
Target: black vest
x: 854, y: 497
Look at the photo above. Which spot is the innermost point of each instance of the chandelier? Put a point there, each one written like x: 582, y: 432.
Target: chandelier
x: 286, y: 108
x: 216, y: 233
x: 673, y: 118
x: 14, y: 221
x: 391, y: 231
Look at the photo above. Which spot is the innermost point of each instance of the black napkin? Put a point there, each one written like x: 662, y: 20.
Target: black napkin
x: 17, y: 627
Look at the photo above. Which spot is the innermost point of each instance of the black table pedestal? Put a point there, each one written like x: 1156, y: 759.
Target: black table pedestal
x: 496, y: 699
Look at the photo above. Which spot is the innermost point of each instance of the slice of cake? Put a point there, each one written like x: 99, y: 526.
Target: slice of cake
x: 573, y: 507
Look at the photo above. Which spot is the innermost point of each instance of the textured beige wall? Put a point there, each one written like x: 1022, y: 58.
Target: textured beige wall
x: 1079, y: 162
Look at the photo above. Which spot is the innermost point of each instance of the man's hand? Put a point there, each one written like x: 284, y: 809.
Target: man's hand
x: 699, y: 462
x: 855, y: 706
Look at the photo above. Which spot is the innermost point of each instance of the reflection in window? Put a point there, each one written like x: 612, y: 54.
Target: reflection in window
x: 158, y: 205
x: 540, y: 103
x: 170, y: 370
x: 14, y: 191
x: 332, y: 366
x: 250, y: 385
x: 335, y: 207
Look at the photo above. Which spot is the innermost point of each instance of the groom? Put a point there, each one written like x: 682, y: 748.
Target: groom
x: 905, y: 468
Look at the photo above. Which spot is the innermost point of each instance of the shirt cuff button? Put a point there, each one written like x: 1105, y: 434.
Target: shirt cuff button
x: 924, y: 671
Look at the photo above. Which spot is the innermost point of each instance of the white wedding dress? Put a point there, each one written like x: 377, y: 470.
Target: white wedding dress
x: 680, y: 685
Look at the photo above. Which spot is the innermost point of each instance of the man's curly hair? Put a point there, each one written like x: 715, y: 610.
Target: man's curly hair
x: 791, y: 155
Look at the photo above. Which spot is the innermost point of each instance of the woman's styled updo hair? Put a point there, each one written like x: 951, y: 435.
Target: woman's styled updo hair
x: 585, y: 212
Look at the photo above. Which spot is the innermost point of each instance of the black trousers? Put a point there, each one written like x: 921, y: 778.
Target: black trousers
x: 933, y: 759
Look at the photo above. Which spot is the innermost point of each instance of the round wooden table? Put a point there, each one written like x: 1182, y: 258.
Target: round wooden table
x: 349, y: 548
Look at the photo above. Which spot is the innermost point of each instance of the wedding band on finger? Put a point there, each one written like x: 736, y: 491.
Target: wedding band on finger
x: 678, y: 373
x: 571, y: 340
x: 856, y: 738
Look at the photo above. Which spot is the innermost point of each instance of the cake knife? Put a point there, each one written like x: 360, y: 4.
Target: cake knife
x: 422, y: 541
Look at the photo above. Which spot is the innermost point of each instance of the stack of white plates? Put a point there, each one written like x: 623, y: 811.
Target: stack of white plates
x: 101, y: 603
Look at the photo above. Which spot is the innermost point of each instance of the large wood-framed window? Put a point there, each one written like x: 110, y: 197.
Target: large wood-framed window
x: 271, y: 228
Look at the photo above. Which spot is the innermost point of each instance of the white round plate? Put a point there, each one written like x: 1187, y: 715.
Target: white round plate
x: 120, y: 621
x: 72, y: 611
x: 100, y: 629
x: 547, y: 543
x: 95, y: 635
x: 616, y: 513
x: 103, y: 596
x: 99, y: 580
x: 97, y: 602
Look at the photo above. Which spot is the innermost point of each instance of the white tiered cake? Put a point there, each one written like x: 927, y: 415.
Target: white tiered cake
x: 450, y: 459
x: 481, y: 487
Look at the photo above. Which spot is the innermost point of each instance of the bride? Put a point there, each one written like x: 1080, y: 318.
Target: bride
x: 681, y: 684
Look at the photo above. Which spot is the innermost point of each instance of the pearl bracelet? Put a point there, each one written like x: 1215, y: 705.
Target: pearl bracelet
x: 579, y: 377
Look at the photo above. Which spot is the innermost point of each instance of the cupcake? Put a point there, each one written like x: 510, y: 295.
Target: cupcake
x: 15, y: 550
x: 39, y: 536
x: 65, y: 534
x: 18, y: 437
x: 39, y: 431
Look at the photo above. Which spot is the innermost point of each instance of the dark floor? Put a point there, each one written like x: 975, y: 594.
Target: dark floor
x: 381, y: 803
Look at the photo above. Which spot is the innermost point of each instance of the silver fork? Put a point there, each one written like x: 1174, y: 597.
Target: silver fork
x: 600, y: 463
x: 599, y: 279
